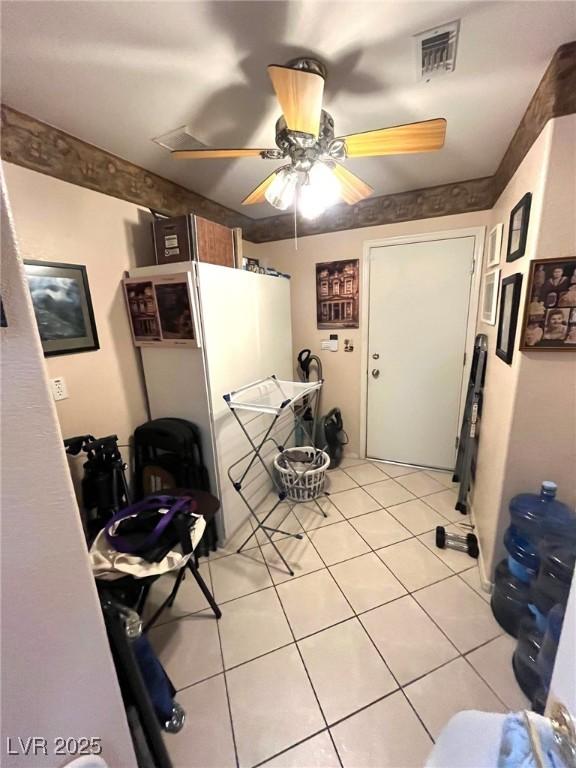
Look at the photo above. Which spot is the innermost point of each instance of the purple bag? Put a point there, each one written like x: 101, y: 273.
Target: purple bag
x: 141, y: 529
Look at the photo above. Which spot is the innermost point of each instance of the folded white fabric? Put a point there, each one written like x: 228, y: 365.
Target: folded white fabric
x: 108, y: 564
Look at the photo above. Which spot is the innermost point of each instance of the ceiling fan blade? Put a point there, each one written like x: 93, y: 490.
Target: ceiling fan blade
x: 257, y: 194
x: 352, y: 188
x: 413, y: 137
x: 300, y: 96
x: 211, y: 154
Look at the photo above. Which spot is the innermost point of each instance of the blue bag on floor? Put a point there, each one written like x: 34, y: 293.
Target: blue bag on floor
x: 159, y: 687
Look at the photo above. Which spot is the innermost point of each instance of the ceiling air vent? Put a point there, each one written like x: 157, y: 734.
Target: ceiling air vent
x: 179, y: 138
x: 436, y: 51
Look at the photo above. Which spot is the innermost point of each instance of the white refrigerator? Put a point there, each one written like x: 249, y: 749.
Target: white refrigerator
x: 245, y: 334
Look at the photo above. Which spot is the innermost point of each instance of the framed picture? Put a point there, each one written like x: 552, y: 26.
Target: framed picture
x: 509, y: 303
x: 161, y: 310
x: 494, y: 246
x: 63, y: 307
x: 337, y: 294
x: 490, y: 287
x: 518, y: 229
x: 550, y: 312
x: 251, y: 265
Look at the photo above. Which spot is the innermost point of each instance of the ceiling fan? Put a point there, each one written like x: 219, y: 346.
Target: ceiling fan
x: 314, y: 177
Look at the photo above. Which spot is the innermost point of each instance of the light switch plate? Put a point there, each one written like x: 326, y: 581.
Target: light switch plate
x: 59, y: 389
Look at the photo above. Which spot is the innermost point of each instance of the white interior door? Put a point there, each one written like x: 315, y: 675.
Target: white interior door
x: 419, y: 299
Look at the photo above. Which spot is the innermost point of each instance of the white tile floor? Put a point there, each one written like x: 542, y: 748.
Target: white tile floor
x: 356, y: 661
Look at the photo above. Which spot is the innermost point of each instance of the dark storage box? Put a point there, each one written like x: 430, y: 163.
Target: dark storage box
x: 192, y: 238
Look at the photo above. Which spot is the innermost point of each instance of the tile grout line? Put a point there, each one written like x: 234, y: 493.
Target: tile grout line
x: 341, y: 562
x: 392, y: 675
x: 292, y: 746
x: 460, y: 654
x: 233, y: 732
x: 348, y: 519
x: 486, y: 683
x: 346, y: 560
x: 359, y: 615
x: 275, y: 586
x: 428, y: 585
x: 335, y: 624
x: 410, y: 593
x: 306, y: 536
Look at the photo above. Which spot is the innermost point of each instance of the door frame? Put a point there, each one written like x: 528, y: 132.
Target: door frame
x: 479, y: 234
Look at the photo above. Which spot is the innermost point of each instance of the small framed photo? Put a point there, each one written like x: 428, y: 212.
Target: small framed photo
x: 251, y: 265
x: 550, y: 311
x: 518, y: 229
x: 494, y: 246
x: 161, y: 310
x: 63, y: 307
x: 490, y: 287
x: 509, y: 303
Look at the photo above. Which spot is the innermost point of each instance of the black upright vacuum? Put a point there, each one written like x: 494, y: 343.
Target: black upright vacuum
x: 310, y: 364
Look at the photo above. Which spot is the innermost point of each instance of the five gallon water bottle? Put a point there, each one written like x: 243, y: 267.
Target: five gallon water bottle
x: 534, y: 656
x: 538, y: 522
x: 533, y: 517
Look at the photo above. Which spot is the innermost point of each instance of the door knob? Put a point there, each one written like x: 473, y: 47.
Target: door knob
x: 375, y: 373
x: 375, y: 356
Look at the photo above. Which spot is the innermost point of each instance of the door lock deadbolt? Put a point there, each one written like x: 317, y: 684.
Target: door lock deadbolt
x: 375, y: 373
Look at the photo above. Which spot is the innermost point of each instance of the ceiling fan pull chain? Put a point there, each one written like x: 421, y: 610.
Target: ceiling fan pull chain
x: 296, y: 221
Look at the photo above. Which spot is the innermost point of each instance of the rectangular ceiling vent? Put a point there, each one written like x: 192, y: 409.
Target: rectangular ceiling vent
x: 436, y: 51
x: 179, y: 138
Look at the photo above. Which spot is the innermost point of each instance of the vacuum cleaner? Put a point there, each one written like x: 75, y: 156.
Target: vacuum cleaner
x: 306, y: 363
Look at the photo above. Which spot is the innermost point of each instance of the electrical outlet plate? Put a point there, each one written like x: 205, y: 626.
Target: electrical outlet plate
x: 59, y: 389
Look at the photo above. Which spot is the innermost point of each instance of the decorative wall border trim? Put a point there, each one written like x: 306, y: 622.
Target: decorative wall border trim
x: 442, y: 200
x: 554, y: 97
x: 35, y: 145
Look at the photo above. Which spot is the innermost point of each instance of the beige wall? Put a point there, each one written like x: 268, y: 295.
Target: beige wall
x: 342, y: 370
x: 57, y: 673
x: 529, y: 417
x: 61, y: 222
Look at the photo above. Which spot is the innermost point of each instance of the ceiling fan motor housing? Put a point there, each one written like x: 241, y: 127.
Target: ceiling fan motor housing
x: 308, y: 64
x: 304, y: 148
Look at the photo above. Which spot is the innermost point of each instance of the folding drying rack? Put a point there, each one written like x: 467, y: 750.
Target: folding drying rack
x: 273, y: 397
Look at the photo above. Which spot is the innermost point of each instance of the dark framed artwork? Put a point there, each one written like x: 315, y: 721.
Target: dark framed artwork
x: 518, y: 228
x: 338, y: 294
x: 161, y: 310
x: 509, y: 303
x: 550, y: 311
x: 63, y: 307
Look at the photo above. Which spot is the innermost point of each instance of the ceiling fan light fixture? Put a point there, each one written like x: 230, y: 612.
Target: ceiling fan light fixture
x: 320, y: 191
x: 281, y: 192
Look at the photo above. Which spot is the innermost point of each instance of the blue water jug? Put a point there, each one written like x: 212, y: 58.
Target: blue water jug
x: 547, y: 654
x: 552, y: 585
x: 536, y: 515
x: 533, y: 517
x: 523, y: 557
x: 510, y: 599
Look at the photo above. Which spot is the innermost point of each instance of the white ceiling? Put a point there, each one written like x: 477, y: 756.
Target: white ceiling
x: 117, y: 74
